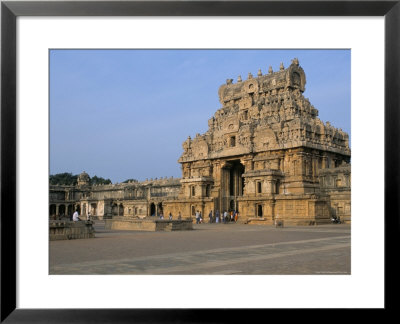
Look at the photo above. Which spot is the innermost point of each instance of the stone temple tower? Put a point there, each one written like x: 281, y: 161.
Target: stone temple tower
x: 83, y: 179
x: 263, y: 152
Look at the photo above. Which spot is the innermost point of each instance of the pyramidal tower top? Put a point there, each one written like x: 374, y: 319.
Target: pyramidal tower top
x: 263, y: 113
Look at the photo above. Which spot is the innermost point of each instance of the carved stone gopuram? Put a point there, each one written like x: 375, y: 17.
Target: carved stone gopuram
x: 266, y: 154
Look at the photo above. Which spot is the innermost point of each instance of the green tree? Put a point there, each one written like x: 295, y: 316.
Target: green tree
x: 71, y: 180
x: 129, y: 180
x: 95, y: 180
x: 63, y: 179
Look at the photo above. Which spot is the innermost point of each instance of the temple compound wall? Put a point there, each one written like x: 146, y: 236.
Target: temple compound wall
x: 265, y: 154
x: 132, y: 199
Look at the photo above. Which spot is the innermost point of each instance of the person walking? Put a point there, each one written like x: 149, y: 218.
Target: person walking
x: 170, y: 216
x: 217, y: 216
x: 225, y: 217
x: 210, y: 215
x: 197, y: 217
x: 236, y: 216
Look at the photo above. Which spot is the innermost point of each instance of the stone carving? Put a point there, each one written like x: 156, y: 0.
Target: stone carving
x: 268, y: 120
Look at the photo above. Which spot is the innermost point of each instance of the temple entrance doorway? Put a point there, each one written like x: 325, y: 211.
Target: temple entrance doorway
x: 232, y: 184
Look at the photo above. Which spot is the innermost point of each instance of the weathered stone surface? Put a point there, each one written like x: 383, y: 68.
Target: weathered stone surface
x: 67, y: 230
x: 148, y: 225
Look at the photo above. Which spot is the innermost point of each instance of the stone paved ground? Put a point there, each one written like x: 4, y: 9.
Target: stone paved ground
x: 208, y: 249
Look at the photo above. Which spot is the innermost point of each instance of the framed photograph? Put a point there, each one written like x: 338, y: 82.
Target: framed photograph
x: 41, y: 45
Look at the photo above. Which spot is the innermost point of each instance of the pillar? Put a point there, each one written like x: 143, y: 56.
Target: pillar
x: 324, y: 162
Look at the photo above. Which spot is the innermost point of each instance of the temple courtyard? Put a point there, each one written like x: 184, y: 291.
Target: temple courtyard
x: 208, y: 249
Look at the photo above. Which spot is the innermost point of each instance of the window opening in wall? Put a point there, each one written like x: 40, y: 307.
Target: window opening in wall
x: 338, y: 182
x: 208, y: 190
x: 233, y: 141
x: 277, y: 185
x: 259, y: 211
x: 252, y: 98
x: 193, y: 210
x: 259, y: 187
x: 193, y: 191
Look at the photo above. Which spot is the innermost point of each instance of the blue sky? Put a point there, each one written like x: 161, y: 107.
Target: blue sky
x: 123, y: 114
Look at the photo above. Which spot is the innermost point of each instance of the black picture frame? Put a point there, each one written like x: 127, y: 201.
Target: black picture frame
x: 10, y: 10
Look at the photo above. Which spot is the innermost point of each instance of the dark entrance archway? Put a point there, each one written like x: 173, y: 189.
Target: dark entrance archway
x: 152, y: 209
x: 232, y: 184
x: 61, y: 210
x: 52, y: 210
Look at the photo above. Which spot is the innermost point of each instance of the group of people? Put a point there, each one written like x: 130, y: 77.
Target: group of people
x: 170, y: 216
x: 225, y: 217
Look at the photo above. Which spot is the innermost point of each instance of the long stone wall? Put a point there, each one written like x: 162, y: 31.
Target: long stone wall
x: 148, y: 225
x: 67, y: 230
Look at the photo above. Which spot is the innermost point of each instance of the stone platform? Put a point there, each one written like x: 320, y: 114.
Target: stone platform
x: 151, y: 225
x: 68, y: 230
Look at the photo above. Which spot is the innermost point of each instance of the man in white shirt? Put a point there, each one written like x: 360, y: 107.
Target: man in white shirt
x: 75, y: 216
